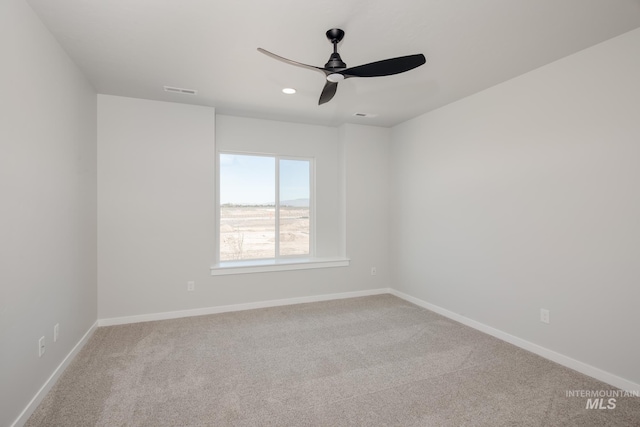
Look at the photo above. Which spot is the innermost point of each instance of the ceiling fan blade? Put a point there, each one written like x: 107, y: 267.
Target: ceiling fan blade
x: 288, y: 61
x: 386, y: 67
x: 328, y: 92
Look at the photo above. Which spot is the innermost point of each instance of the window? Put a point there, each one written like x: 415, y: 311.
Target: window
x: 294, y: 178
x: 265, y: 207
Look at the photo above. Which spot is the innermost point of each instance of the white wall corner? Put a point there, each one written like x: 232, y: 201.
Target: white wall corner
x: 51, y: 381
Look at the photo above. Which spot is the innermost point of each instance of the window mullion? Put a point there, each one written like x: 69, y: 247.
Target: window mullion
x: 277, y: 209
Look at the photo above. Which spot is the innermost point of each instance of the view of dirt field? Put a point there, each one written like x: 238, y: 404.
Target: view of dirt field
x: 248, y: 232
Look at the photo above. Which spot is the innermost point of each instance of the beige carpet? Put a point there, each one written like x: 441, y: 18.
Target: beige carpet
x: 370, y: 361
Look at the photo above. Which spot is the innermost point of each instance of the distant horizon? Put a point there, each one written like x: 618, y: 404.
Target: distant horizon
x: 294, y: 203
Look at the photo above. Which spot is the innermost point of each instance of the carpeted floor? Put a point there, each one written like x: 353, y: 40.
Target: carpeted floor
x: 370, y: 361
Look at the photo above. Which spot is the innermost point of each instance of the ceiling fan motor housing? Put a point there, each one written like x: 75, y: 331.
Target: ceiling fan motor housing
x: 335, y: 62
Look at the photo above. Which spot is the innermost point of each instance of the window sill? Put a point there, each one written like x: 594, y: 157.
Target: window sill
x: 263, y: 266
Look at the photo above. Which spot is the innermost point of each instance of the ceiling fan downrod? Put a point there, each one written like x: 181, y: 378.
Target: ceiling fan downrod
x: 335, y: 35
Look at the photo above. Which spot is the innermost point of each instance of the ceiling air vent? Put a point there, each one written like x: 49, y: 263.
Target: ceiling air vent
x: 364, y: 115
x: 180, y: 90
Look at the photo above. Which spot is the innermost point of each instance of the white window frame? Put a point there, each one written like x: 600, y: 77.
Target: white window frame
x: 279, y: 263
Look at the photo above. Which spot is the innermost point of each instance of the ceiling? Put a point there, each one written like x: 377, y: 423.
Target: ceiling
x: 135, y: 47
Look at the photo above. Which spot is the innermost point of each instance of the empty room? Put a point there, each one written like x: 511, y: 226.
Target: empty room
x: 287, y: 213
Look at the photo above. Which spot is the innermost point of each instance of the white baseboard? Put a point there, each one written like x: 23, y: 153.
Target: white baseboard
x: 37, y: 399
x: 561, y: 359
x: 236, y: 307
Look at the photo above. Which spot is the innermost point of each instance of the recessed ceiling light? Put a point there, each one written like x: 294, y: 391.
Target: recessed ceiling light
x: 289, y: 90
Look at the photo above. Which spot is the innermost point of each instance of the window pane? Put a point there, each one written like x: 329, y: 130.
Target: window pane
x: 247, y: 207
x: 294, y: 207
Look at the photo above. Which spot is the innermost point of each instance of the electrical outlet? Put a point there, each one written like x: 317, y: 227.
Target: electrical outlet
x: 40, y: 346
x: 56, y: 332
x: 191, y: 286
x: 374, y: 271
x: 544, y: 315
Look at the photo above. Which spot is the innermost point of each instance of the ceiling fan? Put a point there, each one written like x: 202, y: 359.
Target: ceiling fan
x: 336, y: 70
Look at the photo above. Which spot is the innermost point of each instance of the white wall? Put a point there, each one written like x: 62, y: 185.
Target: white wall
x: 48, y: 188
x: 526, y: 196
x: 155, y: 201
x: 366, y: 156
x: 156, y: 210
